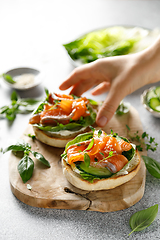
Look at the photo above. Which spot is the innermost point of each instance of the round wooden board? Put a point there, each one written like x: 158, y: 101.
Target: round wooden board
x: 50, y: 189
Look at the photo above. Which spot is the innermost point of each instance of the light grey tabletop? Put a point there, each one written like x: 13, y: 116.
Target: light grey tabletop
x: 32, y: 34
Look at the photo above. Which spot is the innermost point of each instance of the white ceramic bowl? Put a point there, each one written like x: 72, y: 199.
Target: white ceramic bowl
x: 144, y: 102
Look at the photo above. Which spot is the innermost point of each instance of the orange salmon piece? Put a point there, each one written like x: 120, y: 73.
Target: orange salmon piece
x: 66, y: 105
x: 35, y: 119
x: 65, y: 96
x: 81, y: 109
x: 75, y: 153
x: 125, y: 146
x: 116, y: 163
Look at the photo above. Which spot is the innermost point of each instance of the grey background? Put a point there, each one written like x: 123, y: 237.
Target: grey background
x: 32, y: 34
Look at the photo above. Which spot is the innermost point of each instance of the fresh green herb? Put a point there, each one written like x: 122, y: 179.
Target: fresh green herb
x: 152, y: 166
x: 122, y: 108
x: 87, y: 159
x: 143, y: 219
x: 31, y: 136
x: 101, y: 153
x: 90, y: 178
x: 26, y: 164
x: 95, y: 159
x: 99, y: 133
x: 47, y: 94
x: 79, y: 151
x: 80, y: 138
x: 90, y: 145
x: 17, y: 106
x: 128, y: 127
x: 29, y: 187
x: 93, y: 102
x: 143, y: 139
x: 8, y: 78
x: 78, y: 144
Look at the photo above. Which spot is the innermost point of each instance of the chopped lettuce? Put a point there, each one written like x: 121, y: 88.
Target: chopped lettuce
x: 107, y: 42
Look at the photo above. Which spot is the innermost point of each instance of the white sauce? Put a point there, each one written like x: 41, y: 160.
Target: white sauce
x: 24, y: 80
x: 66, y: 133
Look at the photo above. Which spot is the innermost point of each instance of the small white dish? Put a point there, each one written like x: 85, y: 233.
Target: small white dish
x: 25, y: 78
x: 144, y: 102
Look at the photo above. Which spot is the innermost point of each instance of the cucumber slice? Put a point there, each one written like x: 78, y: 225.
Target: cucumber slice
x: 157, y: 91
x: 154, y: 103
x: 99, y: 172
x: 151, y: 94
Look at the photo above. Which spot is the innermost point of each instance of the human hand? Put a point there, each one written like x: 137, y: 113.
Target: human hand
x: 119, y: 76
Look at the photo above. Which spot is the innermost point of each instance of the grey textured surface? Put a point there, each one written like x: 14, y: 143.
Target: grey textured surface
x: 32, y: 34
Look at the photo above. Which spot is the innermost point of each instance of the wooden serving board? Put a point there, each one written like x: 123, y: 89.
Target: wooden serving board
x: 50, y: 189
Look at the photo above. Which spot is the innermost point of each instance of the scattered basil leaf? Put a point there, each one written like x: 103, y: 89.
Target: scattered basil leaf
x: 87, y: 159
x: 8, y: 78
x: 25, y: 168
x: 80, y: 138
x: 90, y: 145
x: 152, y: 166
x: 14, y: 96
x: 17, y: 147
x: 41, y: 158
x: 142, y: 219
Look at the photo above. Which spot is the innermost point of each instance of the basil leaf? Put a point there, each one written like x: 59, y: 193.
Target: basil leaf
x: 41, y: 158
x: 25, y: 168
x: 14, y: 96
x: 8, y: 78
x: 90, y: 145
x: 47, y: 94
x: 80, y: 138
x: 152, y: 166
x: 39, y: 108
x: 142, y: 219
x: 17, y: 147
x: 87, y: 159
x: 3, y: 109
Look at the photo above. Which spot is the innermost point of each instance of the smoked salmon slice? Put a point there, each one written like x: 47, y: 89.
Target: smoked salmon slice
x: 106, y: 152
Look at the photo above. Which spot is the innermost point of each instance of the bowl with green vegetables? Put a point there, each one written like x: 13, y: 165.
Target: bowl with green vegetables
x: 109, y: 41
x: 151, y: 100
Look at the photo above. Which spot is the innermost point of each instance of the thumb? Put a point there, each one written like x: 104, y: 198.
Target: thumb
x: 108, y: 108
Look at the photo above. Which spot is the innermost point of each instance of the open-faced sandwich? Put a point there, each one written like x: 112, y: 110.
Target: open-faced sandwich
x: 60, y: 117
x: 97, y: 161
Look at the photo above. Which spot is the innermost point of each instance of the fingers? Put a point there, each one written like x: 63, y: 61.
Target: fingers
x: 110, y: 105
x: 81, y: 87
x: 78, y: 74
x: 101, y: 88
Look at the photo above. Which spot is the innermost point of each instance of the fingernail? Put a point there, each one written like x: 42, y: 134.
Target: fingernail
x: 102, y: 121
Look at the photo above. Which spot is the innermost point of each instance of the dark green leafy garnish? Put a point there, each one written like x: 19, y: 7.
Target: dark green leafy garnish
x: 87, y: 159
x: 99, y: 132
x: 17, y: 106
x: 152, y: 166
x: 90, y: 145
x: 8, y: 78
x: 143, y: 219
x: 26, y: 164
x: 31, y: 136
x: 144, y: 139
x: 123, y: 108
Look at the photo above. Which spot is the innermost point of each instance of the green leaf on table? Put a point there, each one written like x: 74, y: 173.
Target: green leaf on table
x: 14, y: 96
x: 41, y: 158
x: 17, y: 147
x: 86, y: 159
x: 152, y: 166
x: 8, y: 78
x: 142, y: 219
x: 25, y: 168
